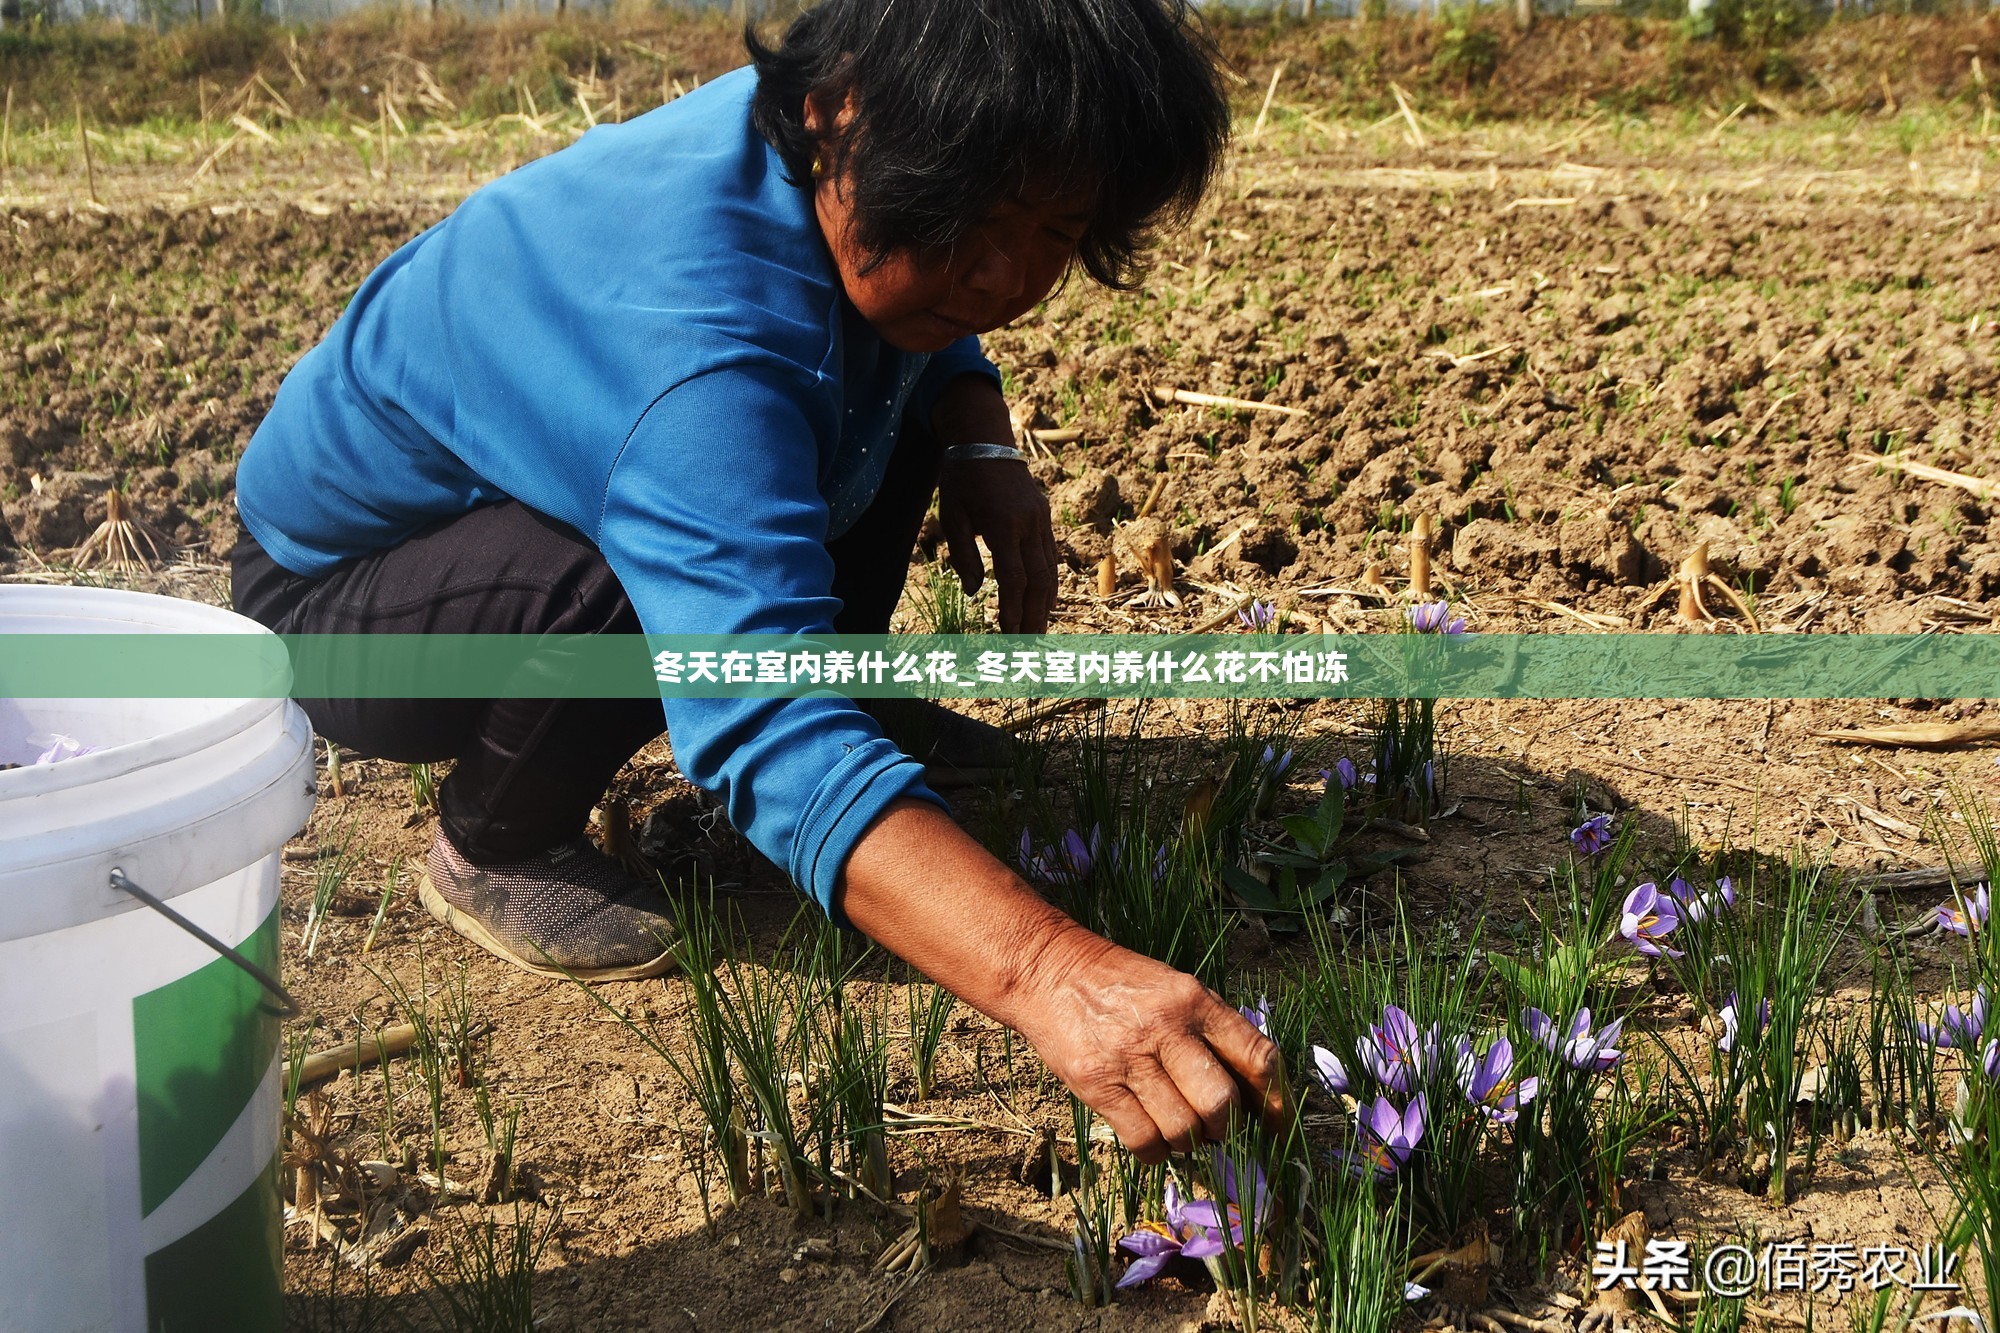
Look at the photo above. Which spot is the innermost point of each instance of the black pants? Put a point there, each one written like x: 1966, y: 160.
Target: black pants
x: 528, y: 770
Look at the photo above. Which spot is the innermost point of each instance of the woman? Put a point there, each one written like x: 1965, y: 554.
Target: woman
x: 701, y: 373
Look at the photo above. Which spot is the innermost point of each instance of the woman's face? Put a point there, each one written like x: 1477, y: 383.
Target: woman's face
x: 923, y: 301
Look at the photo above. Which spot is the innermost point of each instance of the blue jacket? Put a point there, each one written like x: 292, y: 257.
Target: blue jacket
x: 644, y: 337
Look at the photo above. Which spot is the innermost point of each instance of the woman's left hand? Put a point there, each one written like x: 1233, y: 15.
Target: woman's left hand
x: 999, y: 500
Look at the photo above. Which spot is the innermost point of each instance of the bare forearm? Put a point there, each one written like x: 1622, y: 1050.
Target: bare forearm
x: 924, y: 890
x: 1153, y: 1051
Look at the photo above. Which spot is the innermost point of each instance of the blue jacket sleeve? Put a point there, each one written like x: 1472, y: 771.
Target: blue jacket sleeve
x: 961, y: 358
x: 714, y: 524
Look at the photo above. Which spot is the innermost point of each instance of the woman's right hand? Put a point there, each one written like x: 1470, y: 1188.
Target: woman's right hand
x: 1149, y: 1048
x: 1163, y: 1059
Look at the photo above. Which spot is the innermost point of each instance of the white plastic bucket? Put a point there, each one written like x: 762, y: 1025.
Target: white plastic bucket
x: 139, y: 1070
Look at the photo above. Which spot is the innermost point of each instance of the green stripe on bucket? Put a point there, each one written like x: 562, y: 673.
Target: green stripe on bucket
x: 201, y: 1045
x: 227, y: 1275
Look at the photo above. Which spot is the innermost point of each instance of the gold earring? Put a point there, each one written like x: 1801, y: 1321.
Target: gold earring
x: 818, y: 168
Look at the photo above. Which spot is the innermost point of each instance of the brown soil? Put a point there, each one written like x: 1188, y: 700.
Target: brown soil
x: 1582, y: 370
x: 1689, y: 348
x: 606, y: 1123
x: 146, y: 346
x: 1583, y: 393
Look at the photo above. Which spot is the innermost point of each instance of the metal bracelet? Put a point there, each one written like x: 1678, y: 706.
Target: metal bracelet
x: 966, y: 453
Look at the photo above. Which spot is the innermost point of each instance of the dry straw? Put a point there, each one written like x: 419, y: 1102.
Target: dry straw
x: 1167, y: 393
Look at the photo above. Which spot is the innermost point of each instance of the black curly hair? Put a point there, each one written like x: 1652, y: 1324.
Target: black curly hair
x: 962, y: 103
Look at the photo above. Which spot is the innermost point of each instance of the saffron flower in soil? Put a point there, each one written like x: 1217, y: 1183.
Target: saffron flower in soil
x: 1435, y: 618
x: 1954, y: 1027
x: 1156, y: 1244
x: 1227, y: 1217
x: 1582, y: 1048
x: 1696, y: 908
x: 1066, y: 862
x: 1731, y: 1018
x: 1488, y: 1081
x: 1259, y: 1014
x: 1649, y: 917
x: 1962, y: 916
x: 1388, y: 1137
x: 1347, y: 775
x: 1989, y: 1062
x: 1196, y: 1228
x: 1328, y: 1072
x: 1258, y: 616
x: 1395, y: 1052
x: 1593, y: 835
x: 1275, y: 762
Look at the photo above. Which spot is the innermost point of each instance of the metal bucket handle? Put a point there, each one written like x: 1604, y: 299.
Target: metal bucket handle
x: 288, y: 1007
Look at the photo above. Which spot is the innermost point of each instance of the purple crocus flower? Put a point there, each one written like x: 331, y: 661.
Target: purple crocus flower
x: 1963, y: 915
x: 1395, y: 1052
x: 1154, y: 1247
x: 1276, y: 763
x: 1989, y: 1062
x: 1073, y: 857
x: 1328, y: 1072
x: 1731, y: 1020
x: 1347, y: 775
x: 1593, y: 835
x: 1223, y: 1220
x: 1067, y: 862
x: 1581, y: 1049
x: 1954, y: 1028
x: 1388, y: 1136
x: 1197, y: 1228
x: 1435, y: 618
x: 1696, y: 908
x: 1157, y: 1243
x: 1488, y: 1081
x: 1649, y: 917
x: 1259, y: 1014
x: 1026, y: 857
x: 1258, y: 616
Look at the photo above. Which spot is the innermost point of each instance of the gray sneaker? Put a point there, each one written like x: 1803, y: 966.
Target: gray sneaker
x: 570, y: 911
